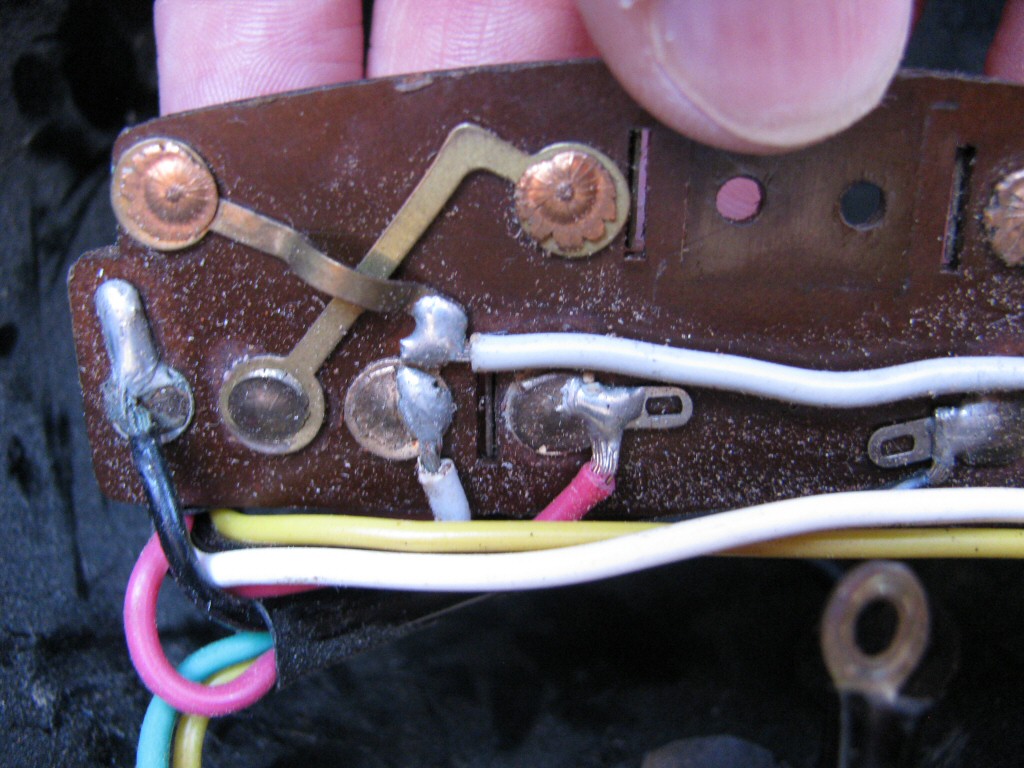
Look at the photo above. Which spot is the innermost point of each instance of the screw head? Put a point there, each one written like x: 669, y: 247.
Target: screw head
x: 1004, y: 219
x: 163, y: 193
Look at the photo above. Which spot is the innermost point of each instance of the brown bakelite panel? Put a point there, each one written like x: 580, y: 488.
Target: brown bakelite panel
x: 796, y: 284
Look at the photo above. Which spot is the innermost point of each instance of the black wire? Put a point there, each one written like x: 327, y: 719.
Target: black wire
x: 170, y: 527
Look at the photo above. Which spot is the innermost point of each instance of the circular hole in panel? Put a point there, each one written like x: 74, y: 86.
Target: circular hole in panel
x: 862, y: 205
x: 876, y: 627
x: 739, y: 199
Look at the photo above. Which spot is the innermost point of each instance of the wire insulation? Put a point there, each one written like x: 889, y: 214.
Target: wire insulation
x: 586, y: 490
x: 895, y: 544
x: 826, y: 389
x: 412, y: 535
x: 156, y: 672
x: 154, y: 747
x: 525, y: 536
x: 191, y: 731
x: 445, y: 494
x: 615, y: 557
x: 170, y: 524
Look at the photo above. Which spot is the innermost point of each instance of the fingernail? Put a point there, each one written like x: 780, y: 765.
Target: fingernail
x: 779, y: 74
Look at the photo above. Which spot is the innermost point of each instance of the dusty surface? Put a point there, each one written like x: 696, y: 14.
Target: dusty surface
x: 594, y: 676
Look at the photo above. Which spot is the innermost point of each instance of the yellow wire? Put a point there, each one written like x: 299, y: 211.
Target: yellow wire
x: 523, y: 535
x: 896, y: 543
x: 188, y: 739
x: 413, y: 535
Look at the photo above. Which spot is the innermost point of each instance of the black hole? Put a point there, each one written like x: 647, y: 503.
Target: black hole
x: 897, y: 445
x: 8, y: 338
x: 876, y: 627
x: 664, y: 406
x: 103, y: 54
x: 862, y: 205
x: 19, y: 466
x: 35, y: 82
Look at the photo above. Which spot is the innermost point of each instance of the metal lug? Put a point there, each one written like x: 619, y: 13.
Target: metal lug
x: 427, y: 407
x: 981, y: 432
x: 439, y: 336
x: 883, y: 445
x: 536, y: 412
x: 138, y: 377
x: 664, y: 408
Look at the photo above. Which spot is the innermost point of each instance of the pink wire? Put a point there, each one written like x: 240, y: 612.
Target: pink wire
x: 585, y: 491
x: 156, y: 671
x: 258, y: 591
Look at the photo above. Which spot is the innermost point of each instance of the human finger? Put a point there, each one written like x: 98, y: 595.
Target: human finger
x: 212, y: 52
x: 749, y: 75
x: 1006, y: 56
x: 420, y: 35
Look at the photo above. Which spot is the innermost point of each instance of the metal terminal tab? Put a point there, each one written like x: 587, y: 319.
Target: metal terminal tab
x: 439, y: 336
x: 664, y: 408
x: 605, y: 411
x: 899, y: 445
x: 427, y: 407
x: 138, y: 377
x: 977, y: 433
x: 535, y: 411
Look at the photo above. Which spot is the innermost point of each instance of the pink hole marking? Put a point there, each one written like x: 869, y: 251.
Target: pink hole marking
x: 739, y: 199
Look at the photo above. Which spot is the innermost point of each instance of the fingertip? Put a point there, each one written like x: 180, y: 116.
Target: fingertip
x: 1006, y: 56
x: 212, y: 52
x: 743, y: 77
x: 421, y: 35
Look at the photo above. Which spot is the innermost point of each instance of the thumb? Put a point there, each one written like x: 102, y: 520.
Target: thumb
x: 751, y: 75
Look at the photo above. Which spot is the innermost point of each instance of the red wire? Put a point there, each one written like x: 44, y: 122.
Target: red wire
x: 585, y: 491
x: 156, y: 671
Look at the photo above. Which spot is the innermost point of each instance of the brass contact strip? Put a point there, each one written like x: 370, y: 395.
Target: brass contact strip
x: 468, y: 148
x: 311, y: 265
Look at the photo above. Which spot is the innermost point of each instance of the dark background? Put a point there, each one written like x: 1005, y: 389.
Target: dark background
x: 593, y: 676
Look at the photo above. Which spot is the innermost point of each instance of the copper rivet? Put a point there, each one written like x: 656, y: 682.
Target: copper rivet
x: 568, y: 198
x: 1004, y: 218
x: 163, y: 194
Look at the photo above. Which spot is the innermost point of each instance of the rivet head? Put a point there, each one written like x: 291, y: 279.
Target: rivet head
x: 1004, y: 219
x: 164, y: 195
x: 568, y: 198
x: 268, y: 407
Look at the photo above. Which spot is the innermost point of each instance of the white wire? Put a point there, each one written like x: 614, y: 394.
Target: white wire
x: 445, y: 494
x: 600, y: 560
x: 655, y: 362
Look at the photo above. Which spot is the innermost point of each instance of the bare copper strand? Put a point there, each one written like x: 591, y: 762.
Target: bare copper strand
x: 163, y: 194
x: 568, y: 198
x: 1004, y: 218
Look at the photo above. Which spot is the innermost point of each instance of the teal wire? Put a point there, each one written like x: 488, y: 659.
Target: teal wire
x: 157, y: 730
